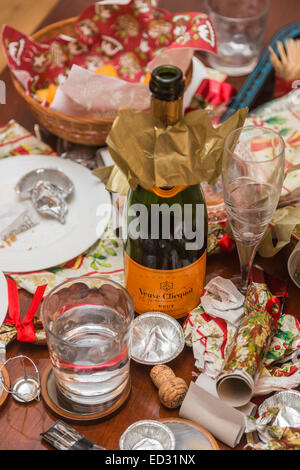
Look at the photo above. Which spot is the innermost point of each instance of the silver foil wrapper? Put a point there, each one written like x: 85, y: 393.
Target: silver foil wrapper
x: 147, y: 435
x: 48, y: 190
x: 278, y: 424
x: 156, y: 339
x: 49, y: 200
x: 29, y: 181
x: 288, y: 403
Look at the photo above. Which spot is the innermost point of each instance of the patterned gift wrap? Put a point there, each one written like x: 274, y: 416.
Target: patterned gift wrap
x: 278, y: 438
x: 118, y: 40
x: 213, y: 341
x: 254, y: 334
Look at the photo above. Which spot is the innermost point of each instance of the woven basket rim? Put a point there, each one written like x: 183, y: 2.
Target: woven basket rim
x: 52, y: 112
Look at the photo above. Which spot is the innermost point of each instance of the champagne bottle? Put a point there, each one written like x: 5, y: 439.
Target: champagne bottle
x: 166, y: 241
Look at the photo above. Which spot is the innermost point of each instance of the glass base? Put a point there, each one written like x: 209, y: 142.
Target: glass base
x: 231, y: 70
x: 237, y: 281
x: 102, y: 401
x: 73, y: 411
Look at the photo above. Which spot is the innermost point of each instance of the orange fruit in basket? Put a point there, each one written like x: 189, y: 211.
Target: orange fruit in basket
x: 147, y: 79
x: 47, y: 94
x: 107, y: 69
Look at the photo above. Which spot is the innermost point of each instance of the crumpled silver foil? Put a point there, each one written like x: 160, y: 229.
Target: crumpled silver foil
x: 288, y: 403
x: 49, y: 200
x: 156, y: 339
x: 48, y: 190
x: 276, y: 413
x: 29, y: 181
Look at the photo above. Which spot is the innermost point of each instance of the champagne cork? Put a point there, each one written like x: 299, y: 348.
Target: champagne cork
x: 160, y: 374
x: 172, y: 389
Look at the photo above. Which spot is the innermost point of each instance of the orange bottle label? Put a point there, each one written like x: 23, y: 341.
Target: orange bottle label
x: 175, y: 292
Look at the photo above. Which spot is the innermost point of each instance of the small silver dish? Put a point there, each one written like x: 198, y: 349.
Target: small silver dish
x: 147, y: 435
x: 26, y: 389
x: 28, y: 182
x: 288, y: 403
x: 156, y: 338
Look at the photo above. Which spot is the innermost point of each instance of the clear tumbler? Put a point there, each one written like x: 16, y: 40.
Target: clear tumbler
x: 239, y: 26
x: 87, y: 322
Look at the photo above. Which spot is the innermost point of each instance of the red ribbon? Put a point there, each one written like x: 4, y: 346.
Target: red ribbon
x: 25, y: 328
x: 226, y: 243
x: 216, y: 92
x: 275, y: 313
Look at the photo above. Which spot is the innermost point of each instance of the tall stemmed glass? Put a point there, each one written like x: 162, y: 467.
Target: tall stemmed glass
x: 253, y: 175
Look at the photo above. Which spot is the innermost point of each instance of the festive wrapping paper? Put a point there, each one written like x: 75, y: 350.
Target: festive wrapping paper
x: 212, y: 338
x: 223, y: 300
x: 276, y: 438
x: 131, y: 39
x: 28, y: 329
x: 235, y: 384
x: 277, y: 426
x: 15, y: 140
x: 213, y: 94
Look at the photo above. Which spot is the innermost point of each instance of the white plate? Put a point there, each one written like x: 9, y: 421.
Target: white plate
x: 51, y: 243
x: 3, y: 298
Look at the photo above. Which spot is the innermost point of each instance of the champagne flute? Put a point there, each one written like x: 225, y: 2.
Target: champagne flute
x: 253, y: 175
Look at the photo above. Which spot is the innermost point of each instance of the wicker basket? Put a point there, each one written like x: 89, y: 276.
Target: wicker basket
x: 85, y: 131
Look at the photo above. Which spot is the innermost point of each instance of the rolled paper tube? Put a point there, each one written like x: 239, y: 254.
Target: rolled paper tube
x: 209, y: 385
x: 235, y: 385
x: 226, y: 423
x: 235, y: 389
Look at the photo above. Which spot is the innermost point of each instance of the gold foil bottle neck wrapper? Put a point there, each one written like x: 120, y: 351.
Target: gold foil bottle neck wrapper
x: 184, y: 154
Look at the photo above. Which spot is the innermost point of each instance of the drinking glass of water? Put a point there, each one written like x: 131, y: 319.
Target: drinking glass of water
x: 87, y: 322
x: 239, y: 26
x: 253, y: 175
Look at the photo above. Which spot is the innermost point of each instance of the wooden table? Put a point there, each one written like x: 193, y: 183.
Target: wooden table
x: 21, y: 425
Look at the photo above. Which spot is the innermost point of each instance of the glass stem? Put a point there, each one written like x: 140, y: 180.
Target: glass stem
x: 246, y: 256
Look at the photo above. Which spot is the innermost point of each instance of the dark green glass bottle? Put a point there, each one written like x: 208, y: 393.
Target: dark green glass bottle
x: 165, y: 246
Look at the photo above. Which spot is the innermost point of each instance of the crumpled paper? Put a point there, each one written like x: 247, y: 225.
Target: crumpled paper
x: 85, y: 94
x: 133, y: 37
x: 277, y: 426
x: 223, y: 300
x: 184, y: 154
x: 212, y: 339
x: 235, y: 384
